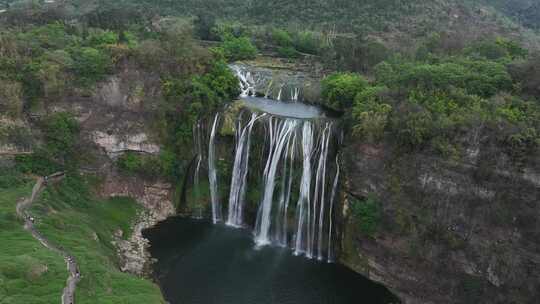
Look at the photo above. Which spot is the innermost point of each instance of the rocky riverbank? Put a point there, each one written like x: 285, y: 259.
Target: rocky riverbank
x: 156, y: 200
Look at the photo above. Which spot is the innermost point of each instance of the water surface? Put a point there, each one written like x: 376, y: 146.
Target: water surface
x: 284, y: 109
x: 201, y: 263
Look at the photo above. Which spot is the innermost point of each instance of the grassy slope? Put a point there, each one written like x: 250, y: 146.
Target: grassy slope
x: 68, y: 215
x: 29, y: 273
x: 84, y: 226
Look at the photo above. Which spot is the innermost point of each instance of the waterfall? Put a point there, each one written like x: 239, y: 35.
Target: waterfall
x: 281, y: 222
x: 305, y: 187
x: 332, y: 198
x: 197, y: 139
x: 247, y: 83
x: 240, y: 170
x: 212, y: 174
x: 321, y: 175
x: 282, y: 132
x: 295, y: 93
x: 298, y: 197
x: 279, y: 93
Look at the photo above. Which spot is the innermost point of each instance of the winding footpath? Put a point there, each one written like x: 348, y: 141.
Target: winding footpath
x: 68, y: 295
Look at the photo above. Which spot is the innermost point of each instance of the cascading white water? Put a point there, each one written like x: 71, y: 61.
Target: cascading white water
x: 295, y: 93
x: 212, y: 174
x: 283, y: 133
x: 305, y: 188
x: 291, y: 138
x: 247, y: 84
x: 240, y: 170
x: 197, y: 139
x: 267, y: 83
x: 281, y: 222
x: 332, y: 198
x: 322, y: 176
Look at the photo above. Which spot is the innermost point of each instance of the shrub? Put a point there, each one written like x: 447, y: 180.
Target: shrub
x: 239, y: 48
x: 288, y: 52
x: 98, y: 38
x: 282, y: 38
x: 367, y: 215
x: 37, y: 163
x: 11, y: 178
x: 412, y: 126
x: 308, y: 42
x: 61, y: 131
x: 136, y: 163
x: 519, y: 123
x: 340, y: 89
x: 480, y: 77
x: 497, y: 49
x: 90, y: 64
x: 371, y: 113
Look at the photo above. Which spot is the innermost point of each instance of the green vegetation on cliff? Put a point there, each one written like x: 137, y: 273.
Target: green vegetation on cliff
x: 430, y: 101
x: 68, y: 214
x: 29, y: 272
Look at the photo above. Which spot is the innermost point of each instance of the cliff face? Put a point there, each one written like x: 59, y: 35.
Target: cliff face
x: 117, y: 117
x: 462, y: 231
x: 156, y: 198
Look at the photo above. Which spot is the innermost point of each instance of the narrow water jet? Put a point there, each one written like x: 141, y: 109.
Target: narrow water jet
x: 330, y: 258
x: 212, y: 174
x: 197, y: 134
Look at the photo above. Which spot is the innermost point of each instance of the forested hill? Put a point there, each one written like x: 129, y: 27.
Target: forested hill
x: 398, y: 21
x: 526, y: 12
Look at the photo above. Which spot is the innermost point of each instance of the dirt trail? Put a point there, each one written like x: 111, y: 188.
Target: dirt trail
x: 22, y: 211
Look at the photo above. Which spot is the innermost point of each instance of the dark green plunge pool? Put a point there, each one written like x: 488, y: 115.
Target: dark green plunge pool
x: 201, y: 263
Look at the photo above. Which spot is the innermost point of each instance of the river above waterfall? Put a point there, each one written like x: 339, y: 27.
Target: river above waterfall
x: 201, y: 263
x: 284, y: 109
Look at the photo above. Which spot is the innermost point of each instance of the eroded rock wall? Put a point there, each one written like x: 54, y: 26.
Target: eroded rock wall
x: 464, y: 231
x: 156, y: 198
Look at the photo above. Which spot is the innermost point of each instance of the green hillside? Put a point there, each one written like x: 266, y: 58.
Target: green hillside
x: 391, y: 20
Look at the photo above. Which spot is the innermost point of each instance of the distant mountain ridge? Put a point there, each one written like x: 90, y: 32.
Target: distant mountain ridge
x: 399, y: 22
x: 526, y: 12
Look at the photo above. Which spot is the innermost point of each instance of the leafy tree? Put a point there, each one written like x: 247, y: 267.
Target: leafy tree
x: 51, y: 36
x: 204, y: 27
x: 412, y: 126
x: 480, y: 77
x: 371, y: 112
x: 238, y: 48
x: 37, y: 163
x: 90, y: 64
x: 519, y: 121
x: 61, y: 133
x: 188, y: 101
x: 340, y: 89
x: 100, y: 38
x: 308, y: 42
x: 282, y: 38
